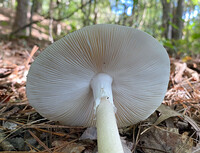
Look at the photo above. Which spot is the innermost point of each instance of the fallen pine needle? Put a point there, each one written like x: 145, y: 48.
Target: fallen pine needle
x: 39, y: 141
x: 54, y: 133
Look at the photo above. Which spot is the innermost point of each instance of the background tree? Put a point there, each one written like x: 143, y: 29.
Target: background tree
x: 37, y: 6
x: 21, y: 16
x: 178, y: 20
x: 167, y: 18
x: 175, y: 23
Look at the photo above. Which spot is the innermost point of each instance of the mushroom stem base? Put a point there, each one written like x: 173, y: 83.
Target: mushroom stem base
x: 108, y: 138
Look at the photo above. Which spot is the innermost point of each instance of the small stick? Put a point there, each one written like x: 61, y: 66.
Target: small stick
x: 137, y: 139
x: 35, y: 48
x: 54, y: 133
x: 52, y: 126
x: 39, y: 141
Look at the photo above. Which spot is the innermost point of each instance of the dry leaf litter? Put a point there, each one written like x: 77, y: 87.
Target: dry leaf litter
x: 173, y: 128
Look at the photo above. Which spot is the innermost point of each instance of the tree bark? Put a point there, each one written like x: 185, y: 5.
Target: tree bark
x: 86, y: 11
x: 51, y: 21
x: 21, y: 16
x: 37, y: 7
x: 95, y: 12
x: 31, y: 18
x: 178, y: 21
x: 166, y: 19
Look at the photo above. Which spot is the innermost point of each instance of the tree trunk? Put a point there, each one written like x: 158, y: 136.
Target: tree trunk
x: 86, y: 11
x: 21, y: 16
x: 124, y: 19
x: 88, y: 14
x: 178, y: 21
x: 51, y: 21
x: 167, y: 19
x: 95, y: 12
x: 31, y: 18
x: 37, y: 7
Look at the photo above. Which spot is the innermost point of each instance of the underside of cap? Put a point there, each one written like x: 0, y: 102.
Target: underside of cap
x: 59, y: 80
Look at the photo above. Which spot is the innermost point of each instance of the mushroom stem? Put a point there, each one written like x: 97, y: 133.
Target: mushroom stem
x: 108, y: 138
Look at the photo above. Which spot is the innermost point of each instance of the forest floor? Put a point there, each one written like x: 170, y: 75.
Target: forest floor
x: 174, y: 127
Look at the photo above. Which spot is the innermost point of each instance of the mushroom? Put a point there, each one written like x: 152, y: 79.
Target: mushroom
x: 107, y: 76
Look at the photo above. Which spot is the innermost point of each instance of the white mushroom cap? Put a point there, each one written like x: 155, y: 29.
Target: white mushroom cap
x: 59, y: 80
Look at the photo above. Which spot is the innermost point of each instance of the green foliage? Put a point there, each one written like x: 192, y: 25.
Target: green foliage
x: 135, y: 1
x: 171, y: 15
x: 4, y: 23
x: 195, y: 2
x: 173, y: 25
x: 144, y: 15
x: 45, y: 7
x: 195, y: 36
x: 168, y: 43
x: 46, y: 27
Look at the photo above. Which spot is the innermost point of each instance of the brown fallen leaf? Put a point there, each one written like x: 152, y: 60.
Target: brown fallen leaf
x: 159, y: 140
x: 167, y: 112
x: 69, y: 148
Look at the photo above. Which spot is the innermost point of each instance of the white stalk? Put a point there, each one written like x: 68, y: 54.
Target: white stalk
x: 108, y: 138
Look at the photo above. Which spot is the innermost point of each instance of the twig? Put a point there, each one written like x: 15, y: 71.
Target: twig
x: 30, y: 146
x: 10, y: 134
x: 4, y: 108
x: 137, y: 139
x: 54, y: 133
x: 20, y: 128
x: 39, y: 141
x: 11, y: 112
x: 193, y: 123
x: 25, y: 26
x: 155, y: 149
x: 6, y: 98
x: 34, y: 50
x: 52, y: 126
